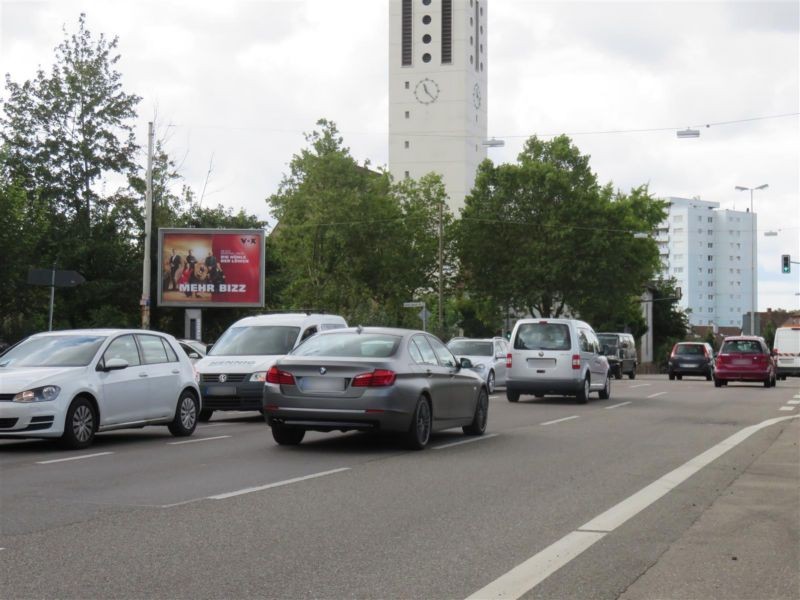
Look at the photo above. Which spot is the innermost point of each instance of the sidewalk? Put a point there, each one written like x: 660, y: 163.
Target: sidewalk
x: 747, y: 544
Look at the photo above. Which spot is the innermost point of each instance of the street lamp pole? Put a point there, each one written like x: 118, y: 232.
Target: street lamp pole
x: 753, y: 276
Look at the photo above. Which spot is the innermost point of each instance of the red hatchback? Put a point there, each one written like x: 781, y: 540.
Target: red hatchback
x: 744, y: 358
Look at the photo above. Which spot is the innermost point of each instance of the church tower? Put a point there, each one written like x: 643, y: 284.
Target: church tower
x: 437, y: 91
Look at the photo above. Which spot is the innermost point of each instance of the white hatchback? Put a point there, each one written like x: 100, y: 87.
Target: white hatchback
x: 72, y: 384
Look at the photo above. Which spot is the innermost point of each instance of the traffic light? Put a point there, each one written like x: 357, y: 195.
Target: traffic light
x: 786, y: 263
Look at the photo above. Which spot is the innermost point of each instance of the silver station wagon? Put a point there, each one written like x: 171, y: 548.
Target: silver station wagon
x: 373, y: 379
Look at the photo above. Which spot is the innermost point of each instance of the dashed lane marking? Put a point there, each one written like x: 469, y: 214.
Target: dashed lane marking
x: 560, y: 420
x: 793, y: 402
x: 260, y: 488
x: 633, y: 387
x: 202, y: 439
x: 616, y: 405
x: 82, y: 456
x: 786, y: 408
x: 467, y: 441
x: 656, y: 395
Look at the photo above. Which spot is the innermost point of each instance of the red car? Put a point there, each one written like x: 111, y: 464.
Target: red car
x: 744, y: 358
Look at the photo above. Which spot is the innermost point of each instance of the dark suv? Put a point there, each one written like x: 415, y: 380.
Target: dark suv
x: 691, y: 358
x: 621, y: 353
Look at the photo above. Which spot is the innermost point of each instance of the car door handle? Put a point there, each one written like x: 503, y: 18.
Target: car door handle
x: 429, y: 372
x: 142, y: 374
x: 175, y: 371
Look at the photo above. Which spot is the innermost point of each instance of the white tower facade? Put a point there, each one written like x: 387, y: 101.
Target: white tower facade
x: 438, y: 67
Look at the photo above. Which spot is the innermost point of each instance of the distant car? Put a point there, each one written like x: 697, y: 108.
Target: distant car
x: 194, y: 349
x: 373, y: 379
x: 556, y: 356
x: 744, y: 358
x: 691, y: 358
x: 621, y: 355
x: 72, y: 384
x: 488, y: 358
x: 786, y: 350
x: 233, y: 372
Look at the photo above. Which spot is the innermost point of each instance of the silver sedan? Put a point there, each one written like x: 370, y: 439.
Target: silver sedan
x: 373, y: 379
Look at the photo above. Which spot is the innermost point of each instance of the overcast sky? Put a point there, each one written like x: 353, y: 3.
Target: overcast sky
x: 237, y: 84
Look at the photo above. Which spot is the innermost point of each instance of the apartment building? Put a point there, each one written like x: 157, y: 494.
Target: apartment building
x: 710, y: 252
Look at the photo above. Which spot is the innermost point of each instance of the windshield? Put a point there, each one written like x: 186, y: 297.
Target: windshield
x: 470, y: 347
x: 741, y: 347
x: 690, y: 350
x: 608, y: 340
x: 350, y: 345
x: 542, y: 336
x: 255, y: 341
x: 53, y: 351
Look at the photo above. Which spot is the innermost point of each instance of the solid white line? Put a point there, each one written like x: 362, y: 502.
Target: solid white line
x: 539, y: 567
x: 525, y: 576
x: 276, y: 484
x: 616, y: 405
x: 633, y: 387
x: 656, y: 395
x: 560, y: 420
x: 786, y: 408
x: 58, y: 460
x: 467, y: 441
x: 202, y: 439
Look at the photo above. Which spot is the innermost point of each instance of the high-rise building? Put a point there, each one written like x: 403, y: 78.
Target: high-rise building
x: 709, y: 252
x: 438, y: 66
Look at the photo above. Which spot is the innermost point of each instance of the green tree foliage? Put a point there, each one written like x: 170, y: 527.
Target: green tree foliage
x: 542, y: 236
x: 348, y: 240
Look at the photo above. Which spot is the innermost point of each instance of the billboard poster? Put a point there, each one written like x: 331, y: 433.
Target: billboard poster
x: 211, y: 267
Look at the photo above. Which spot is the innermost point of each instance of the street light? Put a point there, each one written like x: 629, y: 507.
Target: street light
x: 494, y: 143
x: 742, y: 188
x: 688, y: 133
x: 770, y: 233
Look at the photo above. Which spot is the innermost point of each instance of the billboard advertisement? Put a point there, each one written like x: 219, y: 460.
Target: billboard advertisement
x: 211, y: 267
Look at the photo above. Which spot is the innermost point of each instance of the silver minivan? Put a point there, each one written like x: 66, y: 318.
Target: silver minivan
x: 556, y: 356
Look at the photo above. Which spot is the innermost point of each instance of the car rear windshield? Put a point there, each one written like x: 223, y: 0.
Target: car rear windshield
x: 470, y: 348
x: 608, y: 340
x: 690, y: 350
x: 53, y: 351
x: 255, y: 340
x: 542, y: 336
x: 741, y: 347
x: 350, y: 345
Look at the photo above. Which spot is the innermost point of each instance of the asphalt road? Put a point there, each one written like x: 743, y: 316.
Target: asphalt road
x: 558, y: 500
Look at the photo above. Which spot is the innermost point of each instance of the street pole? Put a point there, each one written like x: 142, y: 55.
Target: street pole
x: 441, y: 273
x: 752, y: 266
x: 148, y: 209
x: 52, y: 298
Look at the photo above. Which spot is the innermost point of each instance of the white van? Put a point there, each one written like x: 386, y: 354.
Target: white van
x: 556, y: 356
x: 232, y: 374
x: 786, y: 350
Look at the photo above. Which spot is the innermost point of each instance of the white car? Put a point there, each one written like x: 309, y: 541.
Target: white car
x: 72, y: 384
x: 488, y: 358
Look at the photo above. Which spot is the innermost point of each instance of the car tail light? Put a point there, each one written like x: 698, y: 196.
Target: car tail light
x: 674, y: 350
x: 378, y: 378
x: 576, y: 361
x: 508, y: 360
x: 275, y: 375
x: 721, y: 358
x: 705, y: 351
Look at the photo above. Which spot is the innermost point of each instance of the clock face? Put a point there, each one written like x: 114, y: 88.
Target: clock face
x: 476, y: 96
x: 426, y: 91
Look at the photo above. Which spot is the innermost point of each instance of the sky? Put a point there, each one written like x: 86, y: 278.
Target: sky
x: 233, y: 85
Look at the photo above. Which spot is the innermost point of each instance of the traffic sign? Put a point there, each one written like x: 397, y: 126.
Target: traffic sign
x: 413, y: 304
x: 62, y: 278
x: 424, y: 314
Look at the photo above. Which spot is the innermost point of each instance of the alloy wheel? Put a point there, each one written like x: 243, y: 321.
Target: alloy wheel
x: 423, y: 422
x: 83, y: 423
x: 188, y: 412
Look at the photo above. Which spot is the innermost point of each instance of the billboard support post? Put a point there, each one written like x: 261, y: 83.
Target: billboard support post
x: 148, y: 215
x: 193, y: 324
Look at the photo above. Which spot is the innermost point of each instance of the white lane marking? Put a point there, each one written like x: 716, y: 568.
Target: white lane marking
x: 633, y: 387
x: 525, y: 576
x: 560, y: 420
x: 796, y: 396
x: 202, y: 439
x: 276, y: 484
x: 793, y: 402
x: 82, y: 456
x: 616, y: 405
x: 656, y: 395
x: 204, y: 425
x: 539, y: 567
x: 786, y: 408
x: 467, y: 441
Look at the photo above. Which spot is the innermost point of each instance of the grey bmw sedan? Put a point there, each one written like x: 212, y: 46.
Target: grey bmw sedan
x: 373, y: 379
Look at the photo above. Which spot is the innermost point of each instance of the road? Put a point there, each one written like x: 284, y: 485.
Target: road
x: 624, y: 497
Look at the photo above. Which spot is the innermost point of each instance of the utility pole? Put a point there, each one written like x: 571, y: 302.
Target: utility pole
x: 52, y: 297
x: 148, y: 210
x: 441, y: 267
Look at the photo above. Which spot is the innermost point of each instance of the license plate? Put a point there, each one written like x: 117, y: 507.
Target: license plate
x: 688, y: 365
x: 742, y: 361
x: 221, y: 390
x: 541, y: 363
x: 321, y: 384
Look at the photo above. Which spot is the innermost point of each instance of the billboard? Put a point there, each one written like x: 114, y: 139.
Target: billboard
x: 210, y: 267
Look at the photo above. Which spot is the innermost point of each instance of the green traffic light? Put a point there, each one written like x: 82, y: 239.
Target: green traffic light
x: 786, y: 263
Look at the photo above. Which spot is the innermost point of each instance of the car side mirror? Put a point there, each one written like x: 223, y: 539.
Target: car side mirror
x: 465, y: 363
x: 115, y: 364
x: 194, y: 355
x: 209, y: 347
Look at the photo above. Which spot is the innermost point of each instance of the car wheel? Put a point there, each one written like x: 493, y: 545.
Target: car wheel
x: 672, y: 376
x: 478, y: 425
x: 618, y: 373
x: 632, y: 374
x: 80, y: 424
x: 768, y: 382
x: 185, y: 421
x: 287, y: 436
x: 709, y: 376
x: 419, y: 433
x: 719, y: 382
x: 583, y: 395
x: 538, y: 396
x: 512, y: 396
x: 679, y: 377
x: 490, y: 382
x: 605, y: 393
x: 205, y: 415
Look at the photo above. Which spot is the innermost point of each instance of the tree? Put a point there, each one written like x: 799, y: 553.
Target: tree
x: 542, y: 236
